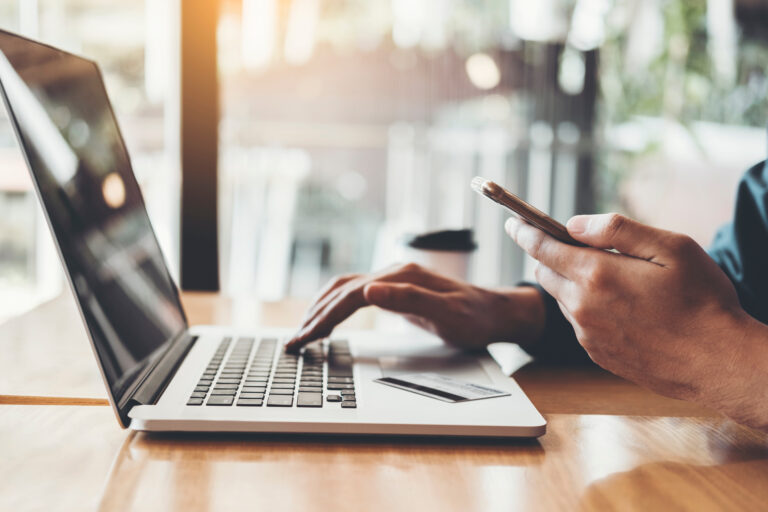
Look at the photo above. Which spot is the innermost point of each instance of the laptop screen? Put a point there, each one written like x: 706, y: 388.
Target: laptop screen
x: 83, y: 175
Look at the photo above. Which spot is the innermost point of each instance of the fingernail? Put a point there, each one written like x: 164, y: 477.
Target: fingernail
x: 578, y: 224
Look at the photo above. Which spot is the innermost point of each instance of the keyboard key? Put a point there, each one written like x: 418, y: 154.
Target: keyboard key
x: 309, y: 400
x: 343, y: 380
x: 282, y: 386
x: 348, y: 398
x: 339, y: 373
x: 228, y: 381
x: 220, y: 400
x: 347, y: 392
x: 349, y: 405
x: 250, y: 402
x: 202, y: 389
x: 333, y: 398
x: 335, y: 386
x: 195, y: 401
x: 198, y: 394
x: 274, y: 391
x: 251, y: 395
x: 280, y: 401
x: 254, y: 389
x: 230, y: 392
x: 226, y: 385
x: 312, y: 389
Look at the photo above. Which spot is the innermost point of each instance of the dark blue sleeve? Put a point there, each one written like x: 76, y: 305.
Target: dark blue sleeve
x: 740, y: 248
x: 558, y: 343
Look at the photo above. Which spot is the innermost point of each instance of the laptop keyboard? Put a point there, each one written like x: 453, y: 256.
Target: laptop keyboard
x: 251, y: 377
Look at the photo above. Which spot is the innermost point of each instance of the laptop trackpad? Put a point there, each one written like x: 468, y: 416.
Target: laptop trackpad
x: 456, y: 364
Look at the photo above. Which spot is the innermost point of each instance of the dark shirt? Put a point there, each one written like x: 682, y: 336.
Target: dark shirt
x: 740, y: 248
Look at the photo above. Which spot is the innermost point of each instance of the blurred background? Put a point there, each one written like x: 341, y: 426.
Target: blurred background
x: 344, y: 125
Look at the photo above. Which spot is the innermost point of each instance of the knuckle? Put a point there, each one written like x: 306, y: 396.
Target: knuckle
x: 595, y: 275
x: 408, y: 292
x: 580, y: 311
x: 588, y: 345
x: 410, y: 268
x: 536, y: 245
x: 614, y: 224
x: 341, y: 279
x: 598, y: 356
x: 683, y: 244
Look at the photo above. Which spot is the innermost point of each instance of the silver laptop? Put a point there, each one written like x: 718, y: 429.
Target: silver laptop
x: 165, y: 375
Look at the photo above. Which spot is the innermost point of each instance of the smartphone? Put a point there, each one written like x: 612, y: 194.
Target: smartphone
x: 525, y: 211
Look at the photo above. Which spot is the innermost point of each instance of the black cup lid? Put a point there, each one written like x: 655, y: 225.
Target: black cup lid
x: 458, y: 240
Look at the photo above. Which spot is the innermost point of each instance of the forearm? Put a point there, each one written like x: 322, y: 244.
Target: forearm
x: 520, y: 315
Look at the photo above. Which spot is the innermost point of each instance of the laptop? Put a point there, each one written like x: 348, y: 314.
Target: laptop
x: 163, y: 374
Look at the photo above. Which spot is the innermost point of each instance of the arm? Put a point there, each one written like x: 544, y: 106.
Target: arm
x: 657, y: 311
x: 461, y: 314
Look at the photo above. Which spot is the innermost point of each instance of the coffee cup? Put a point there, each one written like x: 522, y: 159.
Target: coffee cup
x: 446, y: 252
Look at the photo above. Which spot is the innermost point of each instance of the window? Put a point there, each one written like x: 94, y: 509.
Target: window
x: 133, y: 43
x: 347, y: 124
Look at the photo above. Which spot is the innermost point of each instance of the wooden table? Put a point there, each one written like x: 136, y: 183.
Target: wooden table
x: 610, y: 445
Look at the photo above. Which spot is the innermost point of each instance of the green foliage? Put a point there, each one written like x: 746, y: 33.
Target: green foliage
x: 680, y: 82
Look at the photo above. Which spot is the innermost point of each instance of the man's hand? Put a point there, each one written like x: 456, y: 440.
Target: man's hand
x: 461, y: 314
x: 657, y: 311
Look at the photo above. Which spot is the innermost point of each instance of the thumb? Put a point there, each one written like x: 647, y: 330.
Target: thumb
x: 615, y: 231
x: 404, y: 298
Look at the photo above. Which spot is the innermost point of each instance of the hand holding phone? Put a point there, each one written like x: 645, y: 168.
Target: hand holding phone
x: 525, y: 211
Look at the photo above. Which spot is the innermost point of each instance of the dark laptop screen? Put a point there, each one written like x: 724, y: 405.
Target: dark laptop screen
x: 83, y: 175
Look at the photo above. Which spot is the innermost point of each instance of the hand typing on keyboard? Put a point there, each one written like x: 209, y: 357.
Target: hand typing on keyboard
x: 460, y: 313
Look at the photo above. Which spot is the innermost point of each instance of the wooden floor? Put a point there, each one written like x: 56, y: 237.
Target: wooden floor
x: 610, y: 445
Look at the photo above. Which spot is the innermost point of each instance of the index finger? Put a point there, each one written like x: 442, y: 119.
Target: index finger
x: 566, y: 260
x: 326, y: 321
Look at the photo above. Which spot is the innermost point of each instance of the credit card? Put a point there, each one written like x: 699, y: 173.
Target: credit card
x: 441, y: 387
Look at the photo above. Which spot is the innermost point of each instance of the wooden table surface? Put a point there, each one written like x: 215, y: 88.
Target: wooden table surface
x: 609, y: 446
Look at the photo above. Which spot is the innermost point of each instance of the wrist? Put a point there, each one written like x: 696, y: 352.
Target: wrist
x: 519, y: 315
x: 745, y: 376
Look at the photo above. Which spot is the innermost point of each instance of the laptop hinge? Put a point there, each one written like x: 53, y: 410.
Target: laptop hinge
x: 157, y: 380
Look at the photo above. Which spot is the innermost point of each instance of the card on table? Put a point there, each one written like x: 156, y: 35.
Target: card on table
x: 441, y: 387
